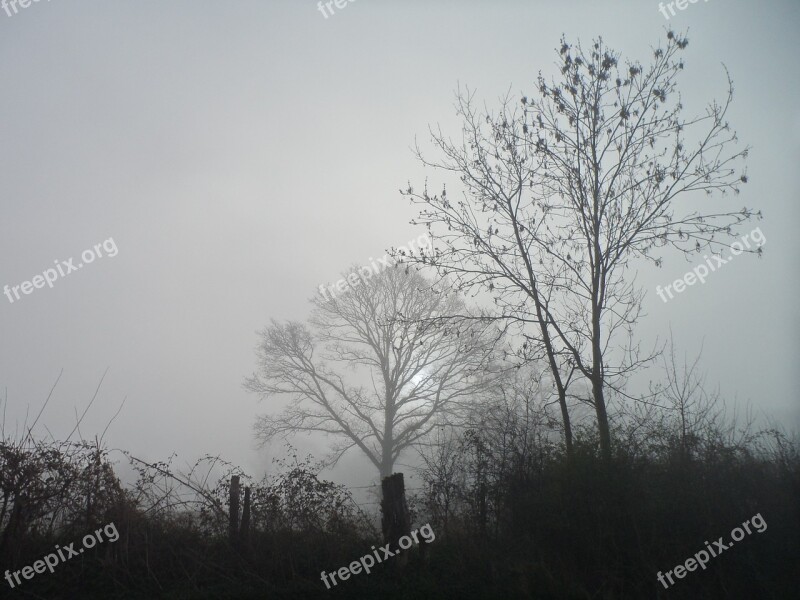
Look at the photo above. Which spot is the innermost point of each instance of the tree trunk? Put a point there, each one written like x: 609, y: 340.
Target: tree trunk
x: 562, y: 402
x: 551, y: 359
x: 602, y: 419
x: 387, y: 465
x: 598, y: 373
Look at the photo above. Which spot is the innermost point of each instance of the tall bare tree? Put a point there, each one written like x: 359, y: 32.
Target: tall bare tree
x: 562, y: 191
x: 407, y: 370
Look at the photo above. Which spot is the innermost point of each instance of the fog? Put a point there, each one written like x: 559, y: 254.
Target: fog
x: 240, y: 155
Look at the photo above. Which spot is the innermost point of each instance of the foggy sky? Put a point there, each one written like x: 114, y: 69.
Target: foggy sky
x: 242, y: 153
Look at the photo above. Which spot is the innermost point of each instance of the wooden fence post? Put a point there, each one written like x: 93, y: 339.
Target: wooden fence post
x: 244, y: 530
x: 395, y: 521
x: 233, y: 515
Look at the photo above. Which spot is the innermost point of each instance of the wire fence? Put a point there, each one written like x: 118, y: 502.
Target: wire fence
x: 372, y: 486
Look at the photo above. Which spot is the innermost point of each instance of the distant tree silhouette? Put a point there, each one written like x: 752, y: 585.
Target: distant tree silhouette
x: 408, y: 370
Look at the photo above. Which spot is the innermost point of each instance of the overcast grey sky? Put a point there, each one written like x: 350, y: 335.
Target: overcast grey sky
x: 240, y: 153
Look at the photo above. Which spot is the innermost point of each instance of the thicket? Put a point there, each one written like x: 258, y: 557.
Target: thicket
x: 513, y: 517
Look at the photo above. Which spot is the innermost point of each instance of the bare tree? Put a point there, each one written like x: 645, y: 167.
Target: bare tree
x: 408, y: 369
x: 565, y: 190
x: 695, y: 412
x: 484, y: 240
